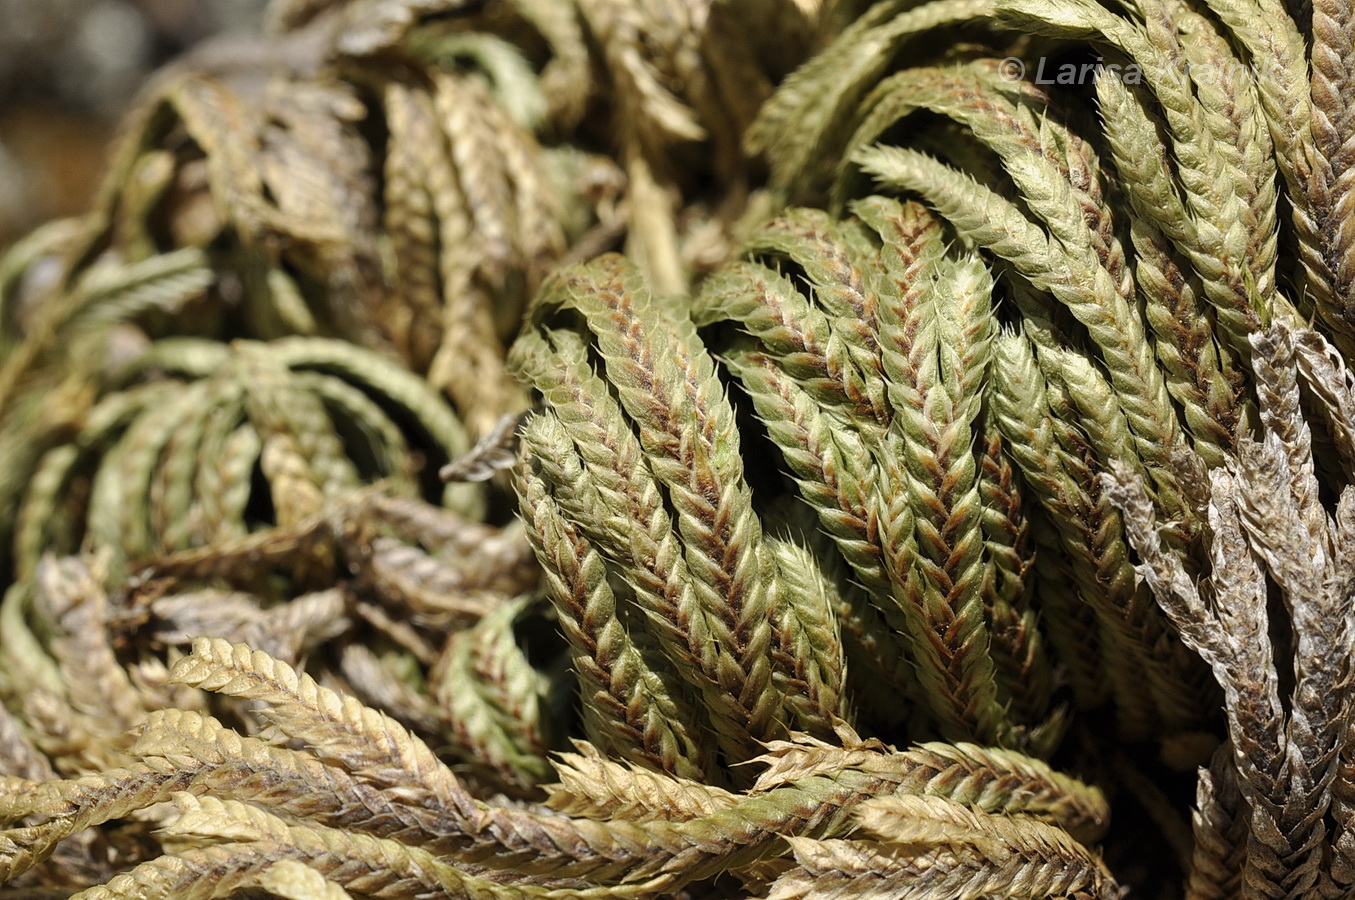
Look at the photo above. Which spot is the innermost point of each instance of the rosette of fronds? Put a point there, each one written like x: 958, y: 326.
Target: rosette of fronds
x: 697, y: 625
x: 866, y: 350
x: 196, y: 443
x: 273, y: 492
x: 330, y: 191
x: 1137, y: 254
x: 402, y: 174
x: 1026, y: 449
x: 1194, y: 139
x: 1140, y: 259
x: 705, y: 616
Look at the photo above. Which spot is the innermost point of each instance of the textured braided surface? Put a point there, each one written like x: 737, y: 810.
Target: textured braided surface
x: 912, y: 392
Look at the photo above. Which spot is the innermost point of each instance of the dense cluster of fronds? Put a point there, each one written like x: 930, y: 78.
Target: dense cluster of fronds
x: 936, y: 435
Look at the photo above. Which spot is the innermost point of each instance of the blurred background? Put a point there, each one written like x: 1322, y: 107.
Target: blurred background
x: 68, y: 70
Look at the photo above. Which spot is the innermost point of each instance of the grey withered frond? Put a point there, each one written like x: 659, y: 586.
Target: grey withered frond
x: 1333, y: 129
x: 1267, y: 522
